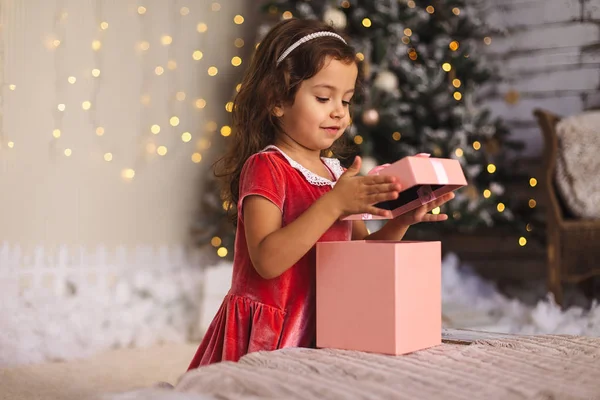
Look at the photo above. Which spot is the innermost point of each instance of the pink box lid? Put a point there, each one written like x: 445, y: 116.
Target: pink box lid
x: 423, y: 178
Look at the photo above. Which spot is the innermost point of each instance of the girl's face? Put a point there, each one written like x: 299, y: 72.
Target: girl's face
x: 320, y: 113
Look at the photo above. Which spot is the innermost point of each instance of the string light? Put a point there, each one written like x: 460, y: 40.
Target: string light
x: 86, y: 105
x: 229, y: 106
x: 222, y: 252
x: 408, y: 31
x: 500, y: 207
x: 458, y: 152
x: 141, y: 10
x: 212, y: 71
x: 128, y: 174
x: 430, y: 9
x: 172, y: 64
x: 108, y: 157
x: 358, y: 139
x: 155, y: 129
x: 396, y: 136
x: 532, y: 203
x: 99, y: 131
x: 184, y: 11
x: 366, y: 22
x: 197, y: 55
x: 532, y: 182
x: 360, y: 56
x: 196, y: 158
x: 287, y: 15
x: 457, y: 95
x: 68, y: 152
x: 180, y: 96
x: 446, y: 67
x: 159, y: 70
x: 522, y: 241
x: 236, y: 61
x: 345, y: 4
x: 166, y: 40
x: 411, y: 4
x: 186, y: 137
x: 56, y: 133
x: 239, y: 43
x: 62, y: 107
x: 487, y: 40
x: 161, y: 150
x: 436, y: 211
x: 11, y: 145
x: 211, y: 126
x: 95, y: 72
x: 491, y: 168
x: 216, y: 241
x: 487, y: 193
x: 215, y: 6
x: 174, y: 121
x: 72, y: 80
x: 201, y: 27
x: 226, y: 130
x: 104, y: 25
x: 96, y: 45
x: 238, y: 19
x: 453, y: 45
x: 200, y: 103
x: 456, y: 11
x: 476, y: 145
x: 456, y: 83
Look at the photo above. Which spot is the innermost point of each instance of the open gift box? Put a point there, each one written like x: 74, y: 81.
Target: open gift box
x: 423, y: 180
x: 385, y: 296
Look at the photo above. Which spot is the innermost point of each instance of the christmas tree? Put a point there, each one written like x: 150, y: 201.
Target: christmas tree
x: 424, y: 72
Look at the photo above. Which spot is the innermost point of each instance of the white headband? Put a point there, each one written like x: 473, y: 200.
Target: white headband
x: 305, y: 39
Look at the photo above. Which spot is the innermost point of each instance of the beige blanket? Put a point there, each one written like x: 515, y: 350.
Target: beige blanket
x: 542, y: 367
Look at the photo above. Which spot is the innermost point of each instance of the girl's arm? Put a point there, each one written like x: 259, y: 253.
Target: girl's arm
x: 274, y: 249
x: 392, y: 230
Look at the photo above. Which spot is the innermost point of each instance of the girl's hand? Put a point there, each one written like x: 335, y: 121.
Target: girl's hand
x: 357, y: 194
x: 421, y: 214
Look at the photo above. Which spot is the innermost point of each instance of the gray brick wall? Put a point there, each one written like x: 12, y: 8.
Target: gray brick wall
x: 549, y: 54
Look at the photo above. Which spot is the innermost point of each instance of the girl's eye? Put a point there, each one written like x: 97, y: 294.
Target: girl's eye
x: 322, y: 99
x: 346, y: 103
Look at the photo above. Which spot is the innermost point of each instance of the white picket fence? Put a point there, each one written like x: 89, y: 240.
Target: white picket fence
x: 98, y: 270
x: 68, y: 302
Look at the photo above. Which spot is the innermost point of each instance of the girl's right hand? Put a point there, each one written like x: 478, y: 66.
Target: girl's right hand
x: 354, y: 194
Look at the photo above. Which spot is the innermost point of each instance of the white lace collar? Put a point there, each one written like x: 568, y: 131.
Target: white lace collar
x: 312, y: 178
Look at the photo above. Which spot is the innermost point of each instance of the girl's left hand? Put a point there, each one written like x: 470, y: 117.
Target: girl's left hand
x: 421, y: 214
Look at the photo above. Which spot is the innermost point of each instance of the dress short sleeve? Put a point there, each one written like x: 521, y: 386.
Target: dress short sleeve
x: 263, y: 175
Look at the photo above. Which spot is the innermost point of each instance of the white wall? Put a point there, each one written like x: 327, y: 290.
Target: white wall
x: 549, y: 55
x: 105, y: 256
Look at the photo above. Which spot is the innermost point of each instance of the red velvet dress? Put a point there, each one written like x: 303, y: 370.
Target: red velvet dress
x: 267, y: 314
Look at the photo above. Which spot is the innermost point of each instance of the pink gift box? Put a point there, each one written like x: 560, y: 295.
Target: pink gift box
x: 423, y: 179
x: 379, y: 296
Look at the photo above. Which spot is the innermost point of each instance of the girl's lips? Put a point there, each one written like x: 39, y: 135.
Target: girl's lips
x: 331, y: 130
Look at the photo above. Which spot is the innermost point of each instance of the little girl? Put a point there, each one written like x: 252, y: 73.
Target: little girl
x: 293, y: 106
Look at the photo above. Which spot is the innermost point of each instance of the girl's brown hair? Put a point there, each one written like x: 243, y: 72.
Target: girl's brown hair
x: 266, y: 85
